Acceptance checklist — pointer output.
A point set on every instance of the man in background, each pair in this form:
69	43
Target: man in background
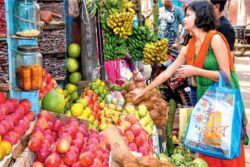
170	16
224	26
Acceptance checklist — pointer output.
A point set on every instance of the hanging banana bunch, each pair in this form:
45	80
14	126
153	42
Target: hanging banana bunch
156	52
121	24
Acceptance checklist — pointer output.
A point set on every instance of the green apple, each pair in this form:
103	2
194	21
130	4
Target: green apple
130	109
142	113
142	107
149	129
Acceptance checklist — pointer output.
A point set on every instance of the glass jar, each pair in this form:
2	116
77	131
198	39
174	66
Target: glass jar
29	67
26	16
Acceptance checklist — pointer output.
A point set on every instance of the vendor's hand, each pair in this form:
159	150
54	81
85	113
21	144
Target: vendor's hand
138	93
187	70
47	16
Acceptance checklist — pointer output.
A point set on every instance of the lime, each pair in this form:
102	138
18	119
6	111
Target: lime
70	87
74	95
72	64
74	50
75	77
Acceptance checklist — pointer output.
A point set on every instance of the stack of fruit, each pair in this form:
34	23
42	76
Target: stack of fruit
135	136
72	67
136	43
15	119
86	108
142	114
67	144
156	53
114	47
156	106
100	88
110	115
48	84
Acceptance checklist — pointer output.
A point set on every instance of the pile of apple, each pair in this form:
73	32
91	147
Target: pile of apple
48	84
67	144
110	115
141	112
135	135
15	119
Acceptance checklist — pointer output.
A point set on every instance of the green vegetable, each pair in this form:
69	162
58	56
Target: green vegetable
177	159
198	162
169	129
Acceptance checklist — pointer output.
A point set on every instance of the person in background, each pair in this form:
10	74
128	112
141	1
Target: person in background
224	26
200	21
170	16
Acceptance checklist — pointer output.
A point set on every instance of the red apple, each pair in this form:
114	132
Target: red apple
93	141
14	102
125	125
77	143
136	129
63	146
4	109
57	125
42	123
70	158
86	158
96	163
77	164
2	98
43	153
139	141
100	155
53	160
132	119
132	146
3	131
37	164
74	149
144	150
7	124
45	114
35	144
129	135
26	104
31	116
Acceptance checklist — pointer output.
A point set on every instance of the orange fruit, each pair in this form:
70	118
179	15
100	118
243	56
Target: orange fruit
7	146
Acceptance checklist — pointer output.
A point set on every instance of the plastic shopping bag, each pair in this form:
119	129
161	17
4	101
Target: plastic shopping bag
215	124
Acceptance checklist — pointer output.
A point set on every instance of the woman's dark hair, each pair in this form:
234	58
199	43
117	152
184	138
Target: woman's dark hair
205	16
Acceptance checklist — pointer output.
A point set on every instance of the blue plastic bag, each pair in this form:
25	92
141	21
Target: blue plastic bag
215	123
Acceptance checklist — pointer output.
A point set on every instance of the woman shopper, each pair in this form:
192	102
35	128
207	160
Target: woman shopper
200	22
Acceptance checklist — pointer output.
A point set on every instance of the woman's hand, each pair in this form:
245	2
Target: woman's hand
187	70
138	93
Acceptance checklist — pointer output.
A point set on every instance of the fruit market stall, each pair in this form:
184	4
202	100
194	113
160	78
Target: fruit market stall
56	118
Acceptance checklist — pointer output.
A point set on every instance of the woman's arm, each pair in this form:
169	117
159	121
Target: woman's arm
220	52
181	58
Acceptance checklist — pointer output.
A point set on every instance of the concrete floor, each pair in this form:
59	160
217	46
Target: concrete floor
242	65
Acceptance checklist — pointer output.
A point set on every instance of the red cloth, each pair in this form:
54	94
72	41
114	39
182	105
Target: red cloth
216	162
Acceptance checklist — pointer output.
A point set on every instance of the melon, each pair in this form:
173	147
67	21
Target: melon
54	102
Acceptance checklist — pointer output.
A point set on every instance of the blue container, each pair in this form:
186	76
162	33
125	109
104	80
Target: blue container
25	15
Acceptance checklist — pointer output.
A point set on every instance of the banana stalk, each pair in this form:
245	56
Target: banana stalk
156	16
